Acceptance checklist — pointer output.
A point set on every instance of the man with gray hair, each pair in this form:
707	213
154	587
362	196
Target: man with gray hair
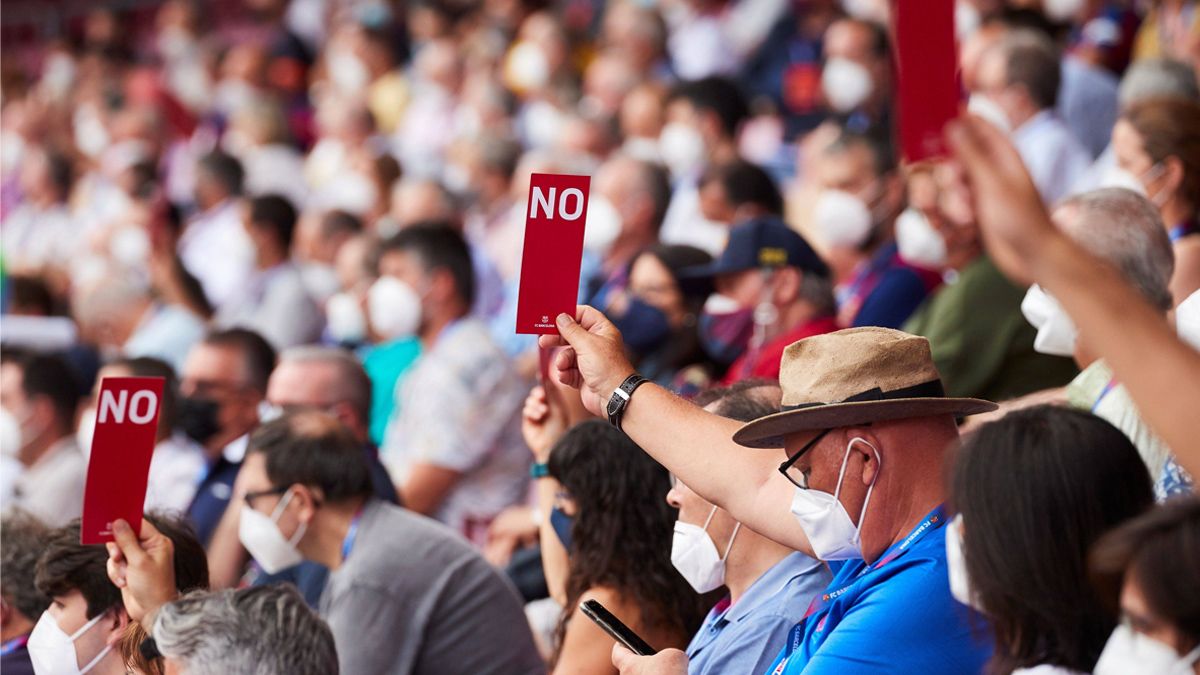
265	630
1124	229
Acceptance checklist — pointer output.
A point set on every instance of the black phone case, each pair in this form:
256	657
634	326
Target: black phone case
613	626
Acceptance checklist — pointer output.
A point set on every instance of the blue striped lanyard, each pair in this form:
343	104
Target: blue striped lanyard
1104	392
351	534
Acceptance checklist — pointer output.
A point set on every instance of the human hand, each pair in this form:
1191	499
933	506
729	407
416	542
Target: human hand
593	360
666	662
543	422
143	567
1010	212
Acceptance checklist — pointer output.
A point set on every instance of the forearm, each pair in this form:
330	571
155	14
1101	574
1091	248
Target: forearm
555	561
1161	373
697	447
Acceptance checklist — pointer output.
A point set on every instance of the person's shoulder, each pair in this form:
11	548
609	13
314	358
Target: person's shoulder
398	536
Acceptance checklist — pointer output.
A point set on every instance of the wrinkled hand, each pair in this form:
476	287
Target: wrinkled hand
543	422
143	567
594	360
1009	209
666	662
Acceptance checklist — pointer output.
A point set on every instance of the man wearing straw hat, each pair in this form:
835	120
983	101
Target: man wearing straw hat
861	436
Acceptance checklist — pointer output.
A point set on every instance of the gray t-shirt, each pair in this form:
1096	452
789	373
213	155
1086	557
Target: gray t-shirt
414	597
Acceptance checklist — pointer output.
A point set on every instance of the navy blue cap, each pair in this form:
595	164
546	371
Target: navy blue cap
759	243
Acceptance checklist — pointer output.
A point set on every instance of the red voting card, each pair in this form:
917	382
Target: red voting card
926	61
126	424
554	223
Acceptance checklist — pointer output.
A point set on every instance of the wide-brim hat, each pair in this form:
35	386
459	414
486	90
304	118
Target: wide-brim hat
855	376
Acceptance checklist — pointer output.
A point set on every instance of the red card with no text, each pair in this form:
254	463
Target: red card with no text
926	62
554	224
126	425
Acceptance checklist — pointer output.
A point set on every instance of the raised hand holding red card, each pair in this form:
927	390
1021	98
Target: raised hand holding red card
555	218
122	446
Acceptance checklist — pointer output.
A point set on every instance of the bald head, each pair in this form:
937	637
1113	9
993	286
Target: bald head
323	378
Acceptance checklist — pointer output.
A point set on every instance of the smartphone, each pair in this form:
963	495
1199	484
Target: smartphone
613	626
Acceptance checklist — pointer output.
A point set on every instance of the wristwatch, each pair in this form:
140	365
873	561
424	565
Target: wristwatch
620	398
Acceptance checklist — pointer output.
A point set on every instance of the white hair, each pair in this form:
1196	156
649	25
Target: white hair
1157	78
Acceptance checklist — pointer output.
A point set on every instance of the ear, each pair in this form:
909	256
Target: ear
117	624
786	285
862	440
308	499
1173	174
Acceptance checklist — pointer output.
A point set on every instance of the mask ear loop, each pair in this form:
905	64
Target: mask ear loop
303	527
866	502
104	652
764	315
729	546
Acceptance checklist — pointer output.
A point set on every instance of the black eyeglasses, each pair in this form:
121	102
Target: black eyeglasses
790	461
251	496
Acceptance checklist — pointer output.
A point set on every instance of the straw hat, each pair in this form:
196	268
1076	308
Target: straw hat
855	376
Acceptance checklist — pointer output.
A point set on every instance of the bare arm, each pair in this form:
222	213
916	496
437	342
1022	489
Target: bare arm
1161	373
695	445
427	487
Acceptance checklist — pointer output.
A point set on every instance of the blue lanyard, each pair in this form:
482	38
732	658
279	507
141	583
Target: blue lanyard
935	520
1182	230
13	645
1104	392
351	535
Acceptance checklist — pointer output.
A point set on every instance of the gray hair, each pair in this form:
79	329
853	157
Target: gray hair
350	384
1124	228
1157	78
264	630
1031	60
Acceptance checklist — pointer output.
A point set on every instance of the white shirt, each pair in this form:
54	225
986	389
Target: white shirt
276	304
175	470
1046	669
36	237
685	224
1053	156
217	251
166	332
51	489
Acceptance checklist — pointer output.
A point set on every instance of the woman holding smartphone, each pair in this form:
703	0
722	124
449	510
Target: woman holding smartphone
605	536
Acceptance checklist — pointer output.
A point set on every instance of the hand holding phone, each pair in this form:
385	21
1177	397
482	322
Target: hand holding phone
613	626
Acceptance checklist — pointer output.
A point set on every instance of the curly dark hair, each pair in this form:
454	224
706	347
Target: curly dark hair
621	534
24	538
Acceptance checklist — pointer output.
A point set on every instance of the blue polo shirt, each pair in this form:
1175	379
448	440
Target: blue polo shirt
893	616
745	636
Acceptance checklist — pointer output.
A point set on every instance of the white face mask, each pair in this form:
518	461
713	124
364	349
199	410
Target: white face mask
966	19
990	111
345	318
526	68
53	651
261	536
1128	651
695	555
956	565
394	308
603	225
918	241
842	219
1062	11
830	531
347	72
1115	176
85	431
130	246
1056	333
682	148
846	84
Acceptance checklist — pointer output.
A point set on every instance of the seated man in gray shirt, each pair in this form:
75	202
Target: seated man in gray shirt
405	594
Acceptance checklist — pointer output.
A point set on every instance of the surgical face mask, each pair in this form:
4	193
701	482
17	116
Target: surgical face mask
261	536
842	219
918	242
956	565
130	246
823	518
10	433
725	328
695	556
344	316
526	68
394	308
347	72
603	225
1056	333
682	148
198	418
846	84
1063	11
1115	176
53	651
1128	651
91	136
990	111
562	523
966	19
643	326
